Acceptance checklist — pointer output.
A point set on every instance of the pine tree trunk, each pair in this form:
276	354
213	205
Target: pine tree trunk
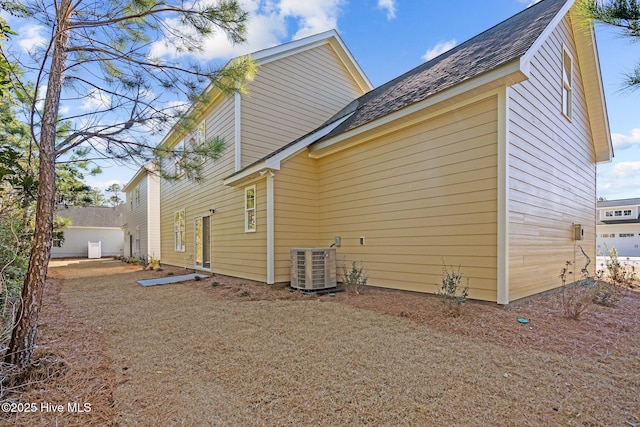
23	336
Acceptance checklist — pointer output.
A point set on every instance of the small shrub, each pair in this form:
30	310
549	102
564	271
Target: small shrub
451	291
355	279
144	262
154	263
197	278
132	260
607	294
620	274
577	296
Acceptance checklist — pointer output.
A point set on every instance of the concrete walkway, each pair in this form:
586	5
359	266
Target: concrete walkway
170	279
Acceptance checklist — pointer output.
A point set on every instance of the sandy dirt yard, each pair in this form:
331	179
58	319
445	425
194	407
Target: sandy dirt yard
247	354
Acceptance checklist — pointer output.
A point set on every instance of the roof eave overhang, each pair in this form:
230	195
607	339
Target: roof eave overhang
594	89
142	172
584	34
330	37
506	75
273	162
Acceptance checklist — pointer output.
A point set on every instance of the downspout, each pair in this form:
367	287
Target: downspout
237	131
270	229
503	197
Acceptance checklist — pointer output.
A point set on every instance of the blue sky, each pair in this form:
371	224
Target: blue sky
389	37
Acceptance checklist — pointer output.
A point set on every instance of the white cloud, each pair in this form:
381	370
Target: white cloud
312	16
619	180
389	6
269	25
439	49
96	100
625	170
621	141
30	39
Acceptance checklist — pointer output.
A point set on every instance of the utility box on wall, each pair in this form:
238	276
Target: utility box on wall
578	232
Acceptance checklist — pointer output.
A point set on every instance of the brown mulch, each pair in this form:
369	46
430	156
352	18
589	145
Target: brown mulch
243	353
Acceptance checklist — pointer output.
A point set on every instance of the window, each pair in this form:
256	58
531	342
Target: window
627	234
179	231
136	197
250	209
178	156
607	236
626	212
199	141
567	83
58	239
137	247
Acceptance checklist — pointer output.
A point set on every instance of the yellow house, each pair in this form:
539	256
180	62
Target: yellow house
483	157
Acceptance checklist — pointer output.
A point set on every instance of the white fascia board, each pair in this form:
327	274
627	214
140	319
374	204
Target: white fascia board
328	37
273	163
287	49
506	75
142	172
542	38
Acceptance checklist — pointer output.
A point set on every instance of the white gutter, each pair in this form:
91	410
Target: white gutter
237	132
270	229
503	198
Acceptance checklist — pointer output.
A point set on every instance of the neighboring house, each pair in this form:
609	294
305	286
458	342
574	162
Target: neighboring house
484	157
142	228
618	226
90	224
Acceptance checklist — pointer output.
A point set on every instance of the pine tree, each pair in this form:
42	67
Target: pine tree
622	14
99	51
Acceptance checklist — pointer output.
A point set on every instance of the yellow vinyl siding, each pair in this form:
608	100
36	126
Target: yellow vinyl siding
419	195
552	172
198	198
296	211
291	97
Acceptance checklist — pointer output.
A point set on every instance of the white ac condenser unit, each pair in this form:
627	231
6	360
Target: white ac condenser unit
313	268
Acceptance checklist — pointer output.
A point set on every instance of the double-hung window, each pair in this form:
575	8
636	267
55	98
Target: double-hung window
179	231
567	83
250	209
137	248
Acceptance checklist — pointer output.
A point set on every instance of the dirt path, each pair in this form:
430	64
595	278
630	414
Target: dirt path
245	355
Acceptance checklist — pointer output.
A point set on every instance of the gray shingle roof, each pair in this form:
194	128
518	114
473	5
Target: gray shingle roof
497	46
93	216
619	202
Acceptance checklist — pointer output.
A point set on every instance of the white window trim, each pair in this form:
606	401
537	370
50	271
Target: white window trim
247	210
178	158
177	228
137	241
567	84
136	196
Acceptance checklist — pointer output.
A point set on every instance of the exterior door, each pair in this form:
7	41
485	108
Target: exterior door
203	242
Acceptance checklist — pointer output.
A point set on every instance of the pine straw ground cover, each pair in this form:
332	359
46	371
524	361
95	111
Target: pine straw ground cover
245	354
